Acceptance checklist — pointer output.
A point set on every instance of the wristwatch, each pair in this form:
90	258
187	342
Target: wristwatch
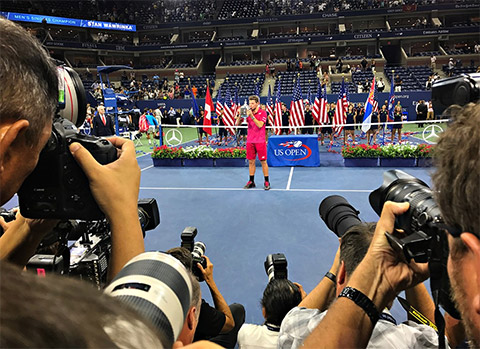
362	301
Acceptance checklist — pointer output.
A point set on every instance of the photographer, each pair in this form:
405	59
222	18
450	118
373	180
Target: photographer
279	297
221	323
25	127
300	321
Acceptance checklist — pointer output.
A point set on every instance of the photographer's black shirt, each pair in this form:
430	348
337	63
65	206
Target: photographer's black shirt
210	323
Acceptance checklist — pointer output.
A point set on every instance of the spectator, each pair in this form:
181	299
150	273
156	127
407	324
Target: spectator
433	62
364	64
285	118
380	85
194	91
451	67
308	120
102	124
428	83
279	297
421	110
339	65
373	64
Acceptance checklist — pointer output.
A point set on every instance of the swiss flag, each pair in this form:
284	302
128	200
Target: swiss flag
207	119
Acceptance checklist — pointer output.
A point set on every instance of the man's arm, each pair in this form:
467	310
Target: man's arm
380	276
115	188
218	300
257	122
21	238
324	292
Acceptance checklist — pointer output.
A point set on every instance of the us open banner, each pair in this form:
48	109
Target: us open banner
293	151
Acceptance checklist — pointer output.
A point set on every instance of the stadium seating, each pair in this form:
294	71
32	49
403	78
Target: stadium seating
245	82
288	81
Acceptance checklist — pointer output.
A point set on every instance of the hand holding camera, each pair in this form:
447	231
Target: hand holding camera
392	273
114	186
208	271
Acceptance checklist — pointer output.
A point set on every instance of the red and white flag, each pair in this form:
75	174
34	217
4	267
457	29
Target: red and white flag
229	111
207	119
341	109
278	111
297	113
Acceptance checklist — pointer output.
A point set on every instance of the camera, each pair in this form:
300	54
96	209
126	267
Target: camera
159	288
87	258
57	188
459	90
424	239
197	249
338	214
276	266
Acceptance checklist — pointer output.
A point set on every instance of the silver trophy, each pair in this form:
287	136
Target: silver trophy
244	110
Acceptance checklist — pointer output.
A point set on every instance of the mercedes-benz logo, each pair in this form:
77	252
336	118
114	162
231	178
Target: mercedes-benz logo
431	133
173	137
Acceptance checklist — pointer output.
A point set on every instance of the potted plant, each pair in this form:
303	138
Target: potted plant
361	155
200	156
230	157
398	155
424	155
167	156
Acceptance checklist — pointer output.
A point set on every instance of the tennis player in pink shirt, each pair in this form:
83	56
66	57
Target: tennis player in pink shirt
256	143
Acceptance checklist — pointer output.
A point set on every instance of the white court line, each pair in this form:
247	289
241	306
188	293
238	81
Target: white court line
144	155
290	178
241	189
146	168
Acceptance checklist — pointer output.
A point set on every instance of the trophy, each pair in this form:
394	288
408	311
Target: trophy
244	110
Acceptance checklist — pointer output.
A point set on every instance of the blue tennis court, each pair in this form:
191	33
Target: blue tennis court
241	227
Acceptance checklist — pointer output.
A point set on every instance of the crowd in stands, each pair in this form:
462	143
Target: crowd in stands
161	11
257	8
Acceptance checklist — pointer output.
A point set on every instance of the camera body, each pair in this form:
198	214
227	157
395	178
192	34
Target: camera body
57	187
276	266
459	90
425	239
197	249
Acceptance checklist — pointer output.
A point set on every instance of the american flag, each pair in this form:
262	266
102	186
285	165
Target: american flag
236	101
297	113
309	96
341	109
219	105
278	111
229	111
270	106
320	106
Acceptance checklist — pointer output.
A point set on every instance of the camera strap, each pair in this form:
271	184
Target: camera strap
415	314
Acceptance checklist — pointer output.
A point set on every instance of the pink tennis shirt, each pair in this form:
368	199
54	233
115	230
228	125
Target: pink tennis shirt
257	134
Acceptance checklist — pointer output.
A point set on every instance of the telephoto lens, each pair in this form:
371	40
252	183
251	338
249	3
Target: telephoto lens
159	288
199	249
276	266
338	214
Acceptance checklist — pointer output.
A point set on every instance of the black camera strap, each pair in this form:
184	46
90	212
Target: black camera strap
435	285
